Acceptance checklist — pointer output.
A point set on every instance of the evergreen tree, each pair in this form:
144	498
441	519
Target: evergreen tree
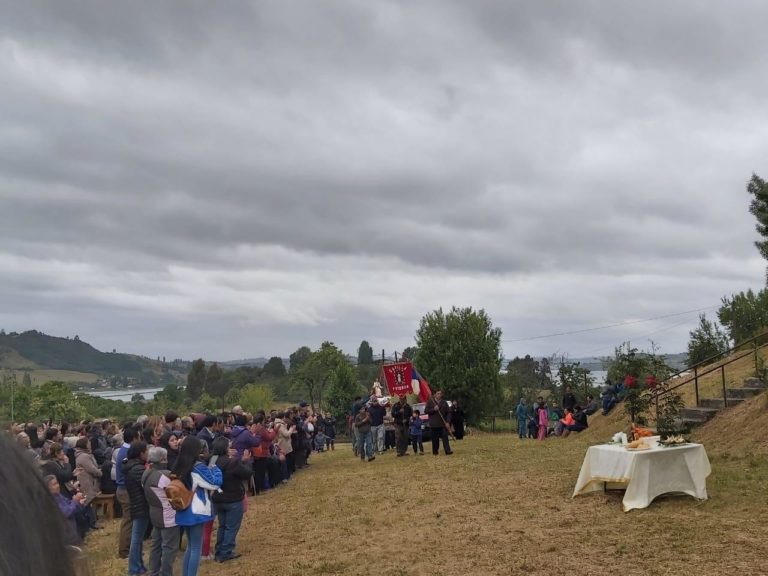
214	382
196	379
365	353
275	367
744	315
758	188
27	380
298	358
707	341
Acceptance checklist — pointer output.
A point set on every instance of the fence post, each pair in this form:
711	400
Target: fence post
493	424
757	368
722	378
696	383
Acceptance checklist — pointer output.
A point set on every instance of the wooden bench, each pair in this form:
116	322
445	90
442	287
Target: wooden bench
105	503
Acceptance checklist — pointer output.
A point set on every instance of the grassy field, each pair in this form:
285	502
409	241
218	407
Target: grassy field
41	376
500	505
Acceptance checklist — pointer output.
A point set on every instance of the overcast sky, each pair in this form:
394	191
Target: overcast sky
189	179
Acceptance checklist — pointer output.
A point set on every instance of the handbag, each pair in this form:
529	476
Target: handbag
179	496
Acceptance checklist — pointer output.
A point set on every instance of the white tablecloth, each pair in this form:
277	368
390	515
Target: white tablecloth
646	473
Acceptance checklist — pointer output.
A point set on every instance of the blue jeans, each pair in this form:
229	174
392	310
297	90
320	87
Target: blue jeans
522	427
135	560
366	444
194	548
230	517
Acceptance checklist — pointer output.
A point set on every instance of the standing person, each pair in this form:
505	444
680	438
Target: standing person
377	412
207	432
229	500
133	470
401	415
165	533
437	408
416	433
543	421
521	413
358	402
330	432
363	425
457	420
202	480
170	441
389	430
260	460
284	433
126	525
569	399
89	477
57	464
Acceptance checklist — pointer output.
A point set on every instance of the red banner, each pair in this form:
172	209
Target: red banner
398	377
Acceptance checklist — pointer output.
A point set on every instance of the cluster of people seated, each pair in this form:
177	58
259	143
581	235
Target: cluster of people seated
542	420
611	394
171	476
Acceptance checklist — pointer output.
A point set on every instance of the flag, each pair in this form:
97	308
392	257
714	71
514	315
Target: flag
420	386
398	377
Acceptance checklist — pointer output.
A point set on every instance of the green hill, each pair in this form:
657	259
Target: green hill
34	351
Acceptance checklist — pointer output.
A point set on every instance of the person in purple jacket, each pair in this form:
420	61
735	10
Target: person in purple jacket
203	480
68	510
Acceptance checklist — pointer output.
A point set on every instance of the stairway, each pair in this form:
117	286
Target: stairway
708	407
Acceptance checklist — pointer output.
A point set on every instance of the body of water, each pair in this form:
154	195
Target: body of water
126	394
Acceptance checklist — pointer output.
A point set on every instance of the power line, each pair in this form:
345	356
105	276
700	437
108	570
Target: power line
642	337
627	323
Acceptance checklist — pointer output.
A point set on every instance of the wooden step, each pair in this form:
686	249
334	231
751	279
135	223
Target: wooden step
718	402
754	383
697	415
743	392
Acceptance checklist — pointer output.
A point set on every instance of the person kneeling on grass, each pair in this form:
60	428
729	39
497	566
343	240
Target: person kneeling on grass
562	424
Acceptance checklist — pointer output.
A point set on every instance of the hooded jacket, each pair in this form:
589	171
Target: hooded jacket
161	514
133	470
243	440
89	478
202	481
283	436
234	473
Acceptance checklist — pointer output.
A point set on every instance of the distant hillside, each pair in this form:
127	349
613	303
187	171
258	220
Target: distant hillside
33	350
250	362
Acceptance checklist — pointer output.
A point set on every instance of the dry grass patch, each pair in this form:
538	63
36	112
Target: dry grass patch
499	505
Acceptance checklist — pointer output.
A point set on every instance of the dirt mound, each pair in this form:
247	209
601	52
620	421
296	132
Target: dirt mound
742	429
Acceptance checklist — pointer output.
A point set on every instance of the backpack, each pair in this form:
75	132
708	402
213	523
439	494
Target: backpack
179	496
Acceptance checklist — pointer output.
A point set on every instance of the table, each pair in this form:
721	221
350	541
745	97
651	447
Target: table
645	473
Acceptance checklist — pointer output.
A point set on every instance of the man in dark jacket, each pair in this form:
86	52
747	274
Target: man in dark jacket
438	409
133	470
165	533
377	413
229	500
401	414
569	399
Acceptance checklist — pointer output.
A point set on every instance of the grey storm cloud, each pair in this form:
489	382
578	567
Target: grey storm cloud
493	141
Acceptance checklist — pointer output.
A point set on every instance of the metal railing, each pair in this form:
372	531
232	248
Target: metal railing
755	346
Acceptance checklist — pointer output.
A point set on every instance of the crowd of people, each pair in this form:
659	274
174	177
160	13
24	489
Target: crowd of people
373	419
543	419
171	477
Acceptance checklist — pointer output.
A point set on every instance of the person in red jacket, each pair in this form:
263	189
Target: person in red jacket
260	452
